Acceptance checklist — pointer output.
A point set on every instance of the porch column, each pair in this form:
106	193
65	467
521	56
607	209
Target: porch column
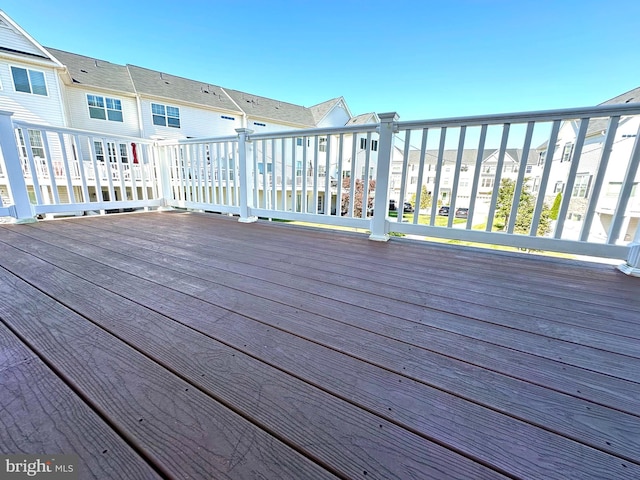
22	209
246	175
381	202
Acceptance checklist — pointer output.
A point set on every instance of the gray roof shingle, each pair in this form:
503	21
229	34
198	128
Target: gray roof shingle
95	73
363	119
469	155
170	87
268	108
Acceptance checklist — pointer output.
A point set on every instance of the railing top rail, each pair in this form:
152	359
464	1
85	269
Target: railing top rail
198	140
77	131
523	117
310	132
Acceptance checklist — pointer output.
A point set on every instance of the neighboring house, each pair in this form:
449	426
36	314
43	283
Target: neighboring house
487	177
582	191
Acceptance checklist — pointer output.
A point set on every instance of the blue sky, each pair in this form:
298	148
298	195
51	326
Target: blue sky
422	59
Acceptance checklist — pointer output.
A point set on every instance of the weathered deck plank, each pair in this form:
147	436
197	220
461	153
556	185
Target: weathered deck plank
323	426
40	414
336	347
179	429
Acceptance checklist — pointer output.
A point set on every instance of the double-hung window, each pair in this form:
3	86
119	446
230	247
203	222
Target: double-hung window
104	108
581	185
29	81
165	116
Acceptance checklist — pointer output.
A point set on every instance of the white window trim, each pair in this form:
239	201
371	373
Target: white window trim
106	110
44	76
166	115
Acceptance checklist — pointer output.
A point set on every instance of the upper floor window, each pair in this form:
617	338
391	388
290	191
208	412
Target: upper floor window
104	108
566	152
581	185
29	81
374	144
541	157
165	116
322	146
529	169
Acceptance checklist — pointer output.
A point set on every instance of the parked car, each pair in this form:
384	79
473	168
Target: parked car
444	211
462	212
408	207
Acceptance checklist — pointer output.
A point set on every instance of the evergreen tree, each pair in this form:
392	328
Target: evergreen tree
425	199
555	208
526	208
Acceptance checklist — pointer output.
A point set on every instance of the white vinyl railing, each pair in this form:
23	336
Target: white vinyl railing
499	176
69	170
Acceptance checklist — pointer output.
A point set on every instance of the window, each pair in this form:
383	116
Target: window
29	81
260	124
487	182
103	108
298	168
559	187
322	147
541	157
226	117
99	151
581	185
413	180
488	169
614	189
374	144
464	168
112	152
566	152
261	168
165	116
536	185
529	169
35	140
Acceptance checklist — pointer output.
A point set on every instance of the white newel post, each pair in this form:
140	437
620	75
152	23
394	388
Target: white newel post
22	205
163	177
246	174
381	202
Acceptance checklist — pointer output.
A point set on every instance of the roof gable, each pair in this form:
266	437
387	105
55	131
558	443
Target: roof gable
17	42
364	119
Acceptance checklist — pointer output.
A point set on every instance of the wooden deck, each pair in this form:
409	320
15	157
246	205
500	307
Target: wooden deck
184	345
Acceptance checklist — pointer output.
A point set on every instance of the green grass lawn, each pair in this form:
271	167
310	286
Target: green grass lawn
425	219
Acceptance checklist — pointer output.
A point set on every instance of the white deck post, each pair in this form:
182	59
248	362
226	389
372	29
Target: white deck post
381	202
22	208
246	184
632	266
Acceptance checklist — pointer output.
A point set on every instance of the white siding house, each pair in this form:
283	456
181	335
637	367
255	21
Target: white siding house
28	77
582	191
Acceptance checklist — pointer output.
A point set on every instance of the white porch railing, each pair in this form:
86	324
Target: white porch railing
62	170
346	176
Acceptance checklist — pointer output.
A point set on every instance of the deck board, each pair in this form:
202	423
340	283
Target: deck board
328	350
